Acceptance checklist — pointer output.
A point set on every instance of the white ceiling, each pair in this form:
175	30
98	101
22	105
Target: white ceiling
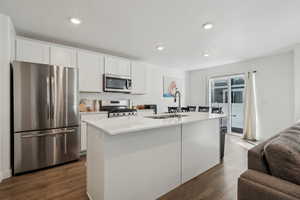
243	28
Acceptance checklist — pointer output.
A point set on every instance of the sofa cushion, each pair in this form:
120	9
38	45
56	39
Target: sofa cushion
283	156
292	133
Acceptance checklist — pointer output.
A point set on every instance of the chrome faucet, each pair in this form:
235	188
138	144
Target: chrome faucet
177	93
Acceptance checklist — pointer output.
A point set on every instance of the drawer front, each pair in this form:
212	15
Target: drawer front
40	149
93	116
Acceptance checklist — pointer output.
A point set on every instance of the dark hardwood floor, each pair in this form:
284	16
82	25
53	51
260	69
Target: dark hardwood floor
68	182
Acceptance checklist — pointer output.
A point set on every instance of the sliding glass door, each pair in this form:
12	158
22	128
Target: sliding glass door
227	93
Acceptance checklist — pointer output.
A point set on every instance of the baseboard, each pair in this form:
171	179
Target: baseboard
90	198
5	174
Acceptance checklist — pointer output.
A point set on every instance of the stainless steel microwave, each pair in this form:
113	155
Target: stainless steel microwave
115	83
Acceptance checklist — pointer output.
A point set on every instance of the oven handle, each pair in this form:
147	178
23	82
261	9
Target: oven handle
128	84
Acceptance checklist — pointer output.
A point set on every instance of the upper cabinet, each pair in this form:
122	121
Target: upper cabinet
91	69
139	78
63	56
32	51
91	65
117	66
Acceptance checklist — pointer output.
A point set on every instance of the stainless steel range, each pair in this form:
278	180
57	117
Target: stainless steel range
118	108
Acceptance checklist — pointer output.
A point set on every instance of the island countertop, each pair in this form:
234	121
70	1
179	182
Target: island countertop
121	125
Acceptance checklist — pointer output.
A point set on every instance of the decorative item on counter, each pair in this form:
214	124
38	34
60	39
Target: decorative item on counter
86	105
96	105
140	107
82	106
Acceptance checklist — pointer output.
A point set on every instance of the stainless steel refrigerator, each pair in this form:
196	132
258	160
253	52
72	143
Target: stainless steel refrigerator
45	116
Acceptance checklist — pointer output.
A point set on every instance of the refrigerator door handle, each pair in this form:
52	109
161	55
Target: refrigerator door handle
52	97
66	145
64	131
36	135
48	98
52	133
66	95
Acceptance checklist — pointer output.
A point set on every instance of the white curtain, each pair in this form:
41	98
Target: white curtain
250	118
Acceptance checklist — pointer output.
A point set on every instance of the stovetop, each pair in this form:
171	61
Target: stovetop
118	108
120	112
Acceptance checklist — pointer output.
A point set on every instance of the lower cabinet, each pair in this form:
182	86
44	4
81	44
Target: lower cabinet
83	144
83	128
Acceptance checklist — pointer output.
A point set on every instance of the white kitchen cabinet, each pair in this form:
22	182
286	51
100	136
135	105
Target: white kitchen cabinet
32	51
124	68
117	66
91	69
200	147
63	56
83	128
139	78
83	136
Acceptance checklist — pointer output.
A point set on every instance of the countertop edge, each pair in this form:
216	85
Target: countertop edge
132	130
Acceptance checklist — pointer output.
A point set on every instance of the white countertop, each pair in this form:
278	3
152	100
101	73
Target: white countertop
120	125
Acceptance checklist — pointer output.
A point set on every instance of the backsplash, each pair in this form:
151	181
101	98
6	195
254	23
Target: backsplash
162	103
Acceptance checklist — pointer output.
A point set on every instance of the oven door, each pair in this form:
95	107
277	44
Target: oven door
114	83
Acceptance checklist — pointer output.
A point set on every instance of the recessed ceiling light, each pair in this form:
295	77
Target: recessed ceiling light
160	47
208	26
74	20
205	54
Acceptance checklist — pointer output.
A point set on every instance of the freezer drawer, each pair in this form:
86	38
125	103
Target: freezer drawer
40	149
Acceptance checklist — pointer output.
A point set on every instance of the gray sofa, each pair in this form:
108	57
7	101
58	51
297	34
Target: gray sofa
273	168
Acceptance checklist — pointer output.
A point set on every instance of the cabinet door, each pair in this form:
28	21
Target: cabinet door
32	51
124	67
83	132
111	65
139	78
91	67
63	56
117	66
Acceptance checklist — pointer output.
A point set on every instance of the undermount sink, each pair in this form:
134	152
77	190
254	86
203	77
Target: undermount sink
166	116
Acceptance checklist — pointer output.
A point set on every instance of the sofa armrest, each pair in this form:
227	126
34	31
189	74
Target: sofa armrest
256	185
256	157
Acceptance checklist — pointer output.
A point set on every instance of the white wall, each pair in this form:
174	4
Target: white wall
155	89
297	81
275	89
7	35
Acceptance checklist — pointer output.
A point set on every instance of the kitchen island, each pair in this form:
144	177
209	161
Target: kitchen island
134	158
